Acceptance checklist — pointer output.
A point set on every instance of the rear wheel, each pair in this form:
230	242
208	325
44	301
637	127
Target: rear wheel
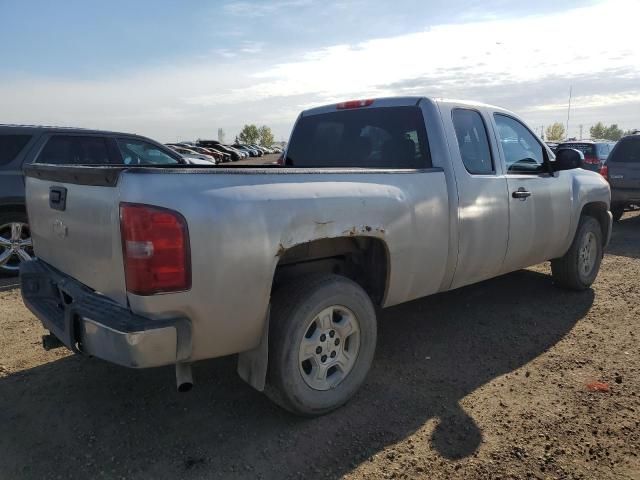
15	242
322	340
578	268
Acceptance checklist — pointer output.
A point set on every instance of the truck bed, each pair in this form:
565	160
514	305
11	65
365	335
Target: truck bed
240	221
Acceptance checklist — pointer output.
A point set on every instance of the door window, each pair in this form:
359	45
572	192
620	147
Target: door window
522	151
78	150
472	141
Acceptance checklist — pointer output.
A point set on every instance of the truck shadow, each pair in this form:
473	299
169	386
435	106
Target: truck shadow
624	237
77	417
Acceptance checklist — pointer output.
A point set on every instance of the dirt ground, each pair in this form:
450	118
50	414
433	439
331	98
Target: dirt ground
489	381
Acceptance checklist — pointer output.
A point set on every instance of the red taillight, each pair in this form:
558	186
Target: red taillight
354	104
591	160
155	247
604	171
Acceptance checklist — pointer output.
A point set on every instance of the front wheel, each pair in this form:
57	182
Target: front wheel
322	339
578	268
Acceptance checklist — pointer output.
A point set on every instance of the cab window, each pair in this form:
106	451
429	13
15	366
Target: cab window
472	141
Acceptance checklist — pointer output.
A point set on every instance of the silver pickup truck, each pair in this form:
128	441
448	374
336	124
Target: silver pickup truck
378	202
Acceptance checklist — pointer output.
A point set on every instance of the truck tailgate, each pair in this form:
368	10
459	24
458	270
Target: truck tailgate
74	220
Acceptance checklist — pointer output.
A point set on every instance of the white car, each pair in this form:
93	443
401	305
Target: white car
192	156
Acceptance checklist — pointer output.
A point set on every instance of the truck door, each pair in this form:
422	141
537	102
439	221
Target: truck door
483	208
539	202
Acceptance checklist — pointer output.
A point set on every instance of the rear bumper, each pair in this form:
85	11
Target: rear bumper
625	195
90	323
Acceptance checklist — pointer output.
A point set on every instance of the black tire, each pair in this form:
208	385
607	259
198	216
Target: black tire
566	270
6	218
617	211
293	307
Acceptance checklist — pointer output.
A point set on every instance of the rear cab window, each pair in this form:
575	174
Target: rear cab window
383	137
11	146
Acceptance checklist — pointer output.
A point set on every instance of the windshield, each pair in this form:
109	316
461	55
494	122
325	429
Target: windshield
390	137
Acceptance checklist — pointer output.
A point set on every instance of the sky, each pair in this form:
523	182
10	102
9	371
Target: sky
179	70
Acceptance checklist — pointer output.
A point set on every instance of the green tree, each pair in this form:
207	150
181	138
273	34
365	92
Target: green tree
613	132
555	132
604	132
598	130
266	136
249	134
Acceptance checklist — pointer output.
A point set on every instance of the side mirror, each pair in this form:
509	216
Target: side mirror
567	159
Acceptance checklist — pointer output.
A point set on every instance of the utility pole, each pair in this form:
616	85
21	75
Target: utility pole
569	109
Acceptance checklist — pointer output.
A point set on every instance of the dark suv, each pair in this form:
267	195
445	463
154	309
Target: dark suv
623	173
20	145
595	152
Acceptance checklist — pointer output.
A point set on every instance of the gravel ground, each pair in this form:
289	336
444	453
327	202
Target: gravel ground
489	381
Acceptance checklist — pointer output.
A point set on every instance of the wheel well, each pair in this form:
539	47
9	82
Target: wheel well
364	260
598	210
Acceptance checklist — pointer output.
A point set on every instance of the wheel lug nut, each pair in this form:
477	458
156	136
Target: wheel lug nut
323	337
318	350
333	354
337	342
323	358
332	333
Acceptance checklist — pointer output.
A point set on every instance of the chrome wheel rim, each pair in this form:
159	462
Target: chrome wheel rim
588	253
329	347
15	245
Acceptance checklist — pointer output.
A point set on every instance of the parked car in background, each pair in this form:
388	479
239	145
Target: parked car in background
380	202
252	151
595	152
206	151
191	155
243	153
21	145
622	170
235	156
553	146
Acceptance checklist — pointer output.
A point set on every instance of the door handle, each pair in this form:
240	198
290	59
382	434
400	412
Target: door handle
521	193
58	198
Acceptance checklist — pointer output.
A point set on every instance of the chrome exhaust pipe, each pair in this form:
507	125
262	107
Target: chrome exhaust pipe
184	378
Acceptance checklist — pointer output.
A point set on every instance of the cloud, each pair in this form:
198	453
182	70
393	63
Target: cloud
525	64
256	9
